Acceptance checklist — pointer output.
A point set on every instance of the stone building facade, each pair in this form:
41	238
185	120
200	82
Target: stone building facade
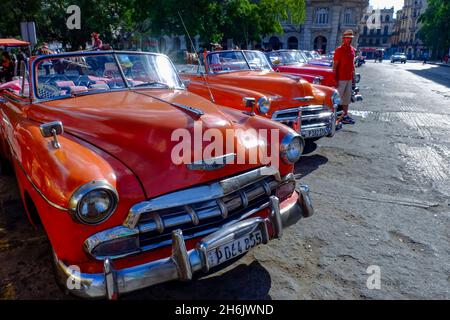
376	29
325	22
406	38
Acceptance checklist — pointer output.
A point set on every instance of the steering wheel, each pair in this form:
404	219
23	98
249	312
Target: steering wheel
86	81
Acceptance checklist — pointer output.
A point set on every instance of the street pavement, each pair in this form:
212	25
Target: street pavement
381	191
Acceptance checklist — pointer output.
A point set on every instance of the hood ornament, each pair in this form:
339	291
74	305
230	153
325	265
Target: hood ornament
212	163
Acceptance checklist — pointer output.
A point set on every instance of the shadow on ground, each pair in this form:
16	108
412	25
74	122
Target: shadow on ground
242	282
432	75
308	164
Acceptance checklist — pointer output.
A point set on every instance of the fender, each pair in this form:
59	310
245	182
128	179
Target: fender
224	95
50	176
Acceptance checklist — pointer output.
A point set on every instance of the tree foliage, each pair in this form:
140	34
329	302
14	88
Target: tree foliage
435	30
214	20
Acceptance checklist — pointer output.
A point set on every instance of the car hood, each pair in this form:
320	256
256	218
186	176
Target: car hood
308	68
267	82
137	129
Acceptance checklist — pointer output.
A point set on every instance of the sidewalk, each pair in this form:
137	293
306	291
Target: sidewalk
438	63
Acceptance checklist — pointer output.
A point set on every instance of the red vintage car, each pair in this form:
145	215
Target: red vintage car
295	62
91	136
235	77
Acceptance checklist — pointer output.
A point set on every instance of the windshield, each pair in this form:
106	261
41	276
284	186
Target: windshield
308	55
316	55
257	60
66	75
286	57
226	61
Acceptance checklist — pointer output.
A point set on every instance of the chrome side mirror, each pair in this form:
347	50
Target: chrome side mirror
52	129
186	83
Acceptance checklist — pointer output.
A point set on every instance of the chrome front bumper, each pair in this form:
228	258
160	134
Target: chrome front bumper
326	127
182	263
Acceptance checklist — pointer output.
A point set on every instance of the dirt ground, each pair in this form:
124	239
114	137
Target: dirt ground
381	191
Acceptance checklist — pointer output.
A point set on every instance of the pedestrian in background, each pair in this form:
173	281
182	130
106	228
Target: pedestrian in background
7	72
97	43
425	57
344	72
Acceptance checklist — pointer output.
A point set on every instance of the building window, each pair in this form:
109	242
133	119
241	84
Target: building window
387	19
378	31
348	16
365	30
385	40
322	16
377	42
386	30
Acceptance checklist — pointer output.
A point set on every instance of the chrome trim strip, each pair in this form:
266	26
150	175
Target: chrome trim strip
321	115
212	163
306	98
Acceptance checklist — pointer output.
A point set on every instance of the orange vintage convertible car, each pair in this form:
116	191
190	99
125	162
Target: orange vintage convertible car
234	77
91	139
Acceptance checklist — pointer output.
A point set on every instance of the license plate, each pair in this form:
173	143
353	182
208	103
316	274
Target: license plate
233	249
315	133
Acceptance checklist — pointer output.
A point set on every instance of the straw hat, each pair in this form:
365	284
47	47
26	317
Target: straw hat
216	45
348	34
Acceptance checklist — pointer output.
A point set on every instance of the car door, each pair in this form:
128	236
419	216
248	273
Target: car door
14	102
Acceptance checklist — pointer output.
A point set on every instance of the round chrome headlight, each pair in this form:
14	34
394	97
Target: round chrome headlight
263	105
291	148
93	202
336	98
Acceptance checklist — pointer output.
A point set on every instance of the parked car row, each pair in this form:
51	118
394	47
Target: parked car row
105	148
284	86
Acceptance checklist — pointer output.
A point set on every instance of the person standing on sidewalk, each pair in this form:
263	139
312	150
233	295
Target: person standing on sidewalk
344	72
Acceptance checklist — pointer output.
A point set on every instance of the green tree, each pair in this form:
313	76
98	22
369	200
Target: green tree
13	12
435	30
102	16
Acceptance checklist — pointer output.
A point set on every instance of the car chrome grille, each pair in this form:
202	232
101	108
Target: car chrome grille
316	116
198	219
197	211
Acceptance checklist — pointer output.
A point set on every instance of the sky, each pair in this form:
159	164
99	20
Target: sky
380	4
